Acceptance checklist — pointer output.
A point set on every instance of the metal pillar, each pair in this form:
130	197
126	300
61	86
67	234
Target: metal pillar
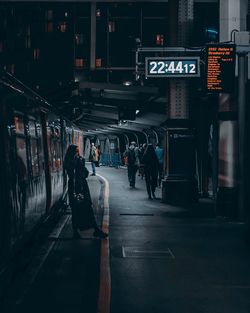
243	152
178	180
179	89
231	196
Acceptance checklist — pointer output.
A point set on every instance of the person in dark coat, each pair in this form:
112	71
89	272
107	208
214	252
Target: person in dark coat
74	165
160	155
151	165
132	162
141	153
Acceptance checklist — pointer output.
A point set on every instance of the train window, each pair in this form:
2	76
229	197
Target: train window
19	125
58	153
34	148
21	148
32	129
55	148
51	147
39	146
49	27
34	157
21	158
69	135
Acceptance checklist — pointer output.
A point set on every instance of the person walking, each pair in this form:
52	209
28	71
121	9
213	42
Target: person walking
98	155
132	163
74	166
151	165
141	153
160	156
93	158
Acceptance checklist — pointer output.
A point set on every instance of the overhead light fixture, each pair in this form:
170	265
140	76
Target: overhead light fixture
137	112
127	83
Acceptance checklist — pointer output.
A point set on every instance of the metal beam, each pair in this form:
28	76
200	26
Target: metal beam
115	87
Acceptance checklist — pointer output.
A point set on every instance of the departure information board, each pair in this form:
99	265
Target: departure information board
220	68
172	67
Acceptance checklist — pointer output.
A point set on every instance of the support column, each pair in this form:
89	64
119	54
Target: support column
179	35
180	139
232	18
243	131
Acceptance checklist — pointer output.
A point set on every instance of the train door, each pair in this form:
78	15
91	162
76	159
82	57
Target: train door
54	139
36	165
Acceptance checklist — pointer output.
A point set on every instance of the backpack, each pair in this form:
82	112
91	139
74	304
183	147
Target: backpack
131	157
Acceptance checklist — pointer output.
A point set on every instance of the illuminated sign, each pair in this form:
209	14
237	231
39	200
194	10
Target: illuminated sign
220	68
173	67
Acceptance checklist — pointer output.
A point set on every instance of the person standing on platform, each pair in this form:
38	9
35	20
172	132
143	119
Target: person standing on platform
160	156
93	158
151	165
132	163
141	153
98	154
74	166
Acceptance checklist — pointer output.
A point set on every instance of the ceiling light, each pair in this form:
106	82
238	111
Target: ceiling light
137	111
127	83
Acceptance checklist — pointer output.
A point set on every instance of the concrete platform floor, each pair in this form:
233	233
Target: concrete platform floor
184	261
163	259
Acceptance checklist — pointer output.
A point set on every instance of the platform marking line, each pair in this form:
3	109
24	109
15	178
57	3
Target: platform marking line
104	295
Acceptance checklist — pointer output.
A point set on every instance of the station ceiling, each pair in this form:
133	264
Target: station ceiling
97	108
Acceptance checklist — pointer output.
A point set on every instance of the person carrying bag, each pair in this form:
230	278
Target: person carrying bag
79	194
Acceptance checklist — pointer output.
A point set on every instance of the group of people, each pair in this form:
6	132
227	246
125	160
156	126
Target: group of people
146	157
149	161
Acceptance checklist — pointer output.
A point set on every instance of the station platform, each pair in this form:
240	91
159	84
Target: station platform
161	259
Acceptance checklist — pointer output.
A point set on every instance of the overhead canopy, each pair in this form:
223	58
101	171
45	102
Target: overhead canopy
95	107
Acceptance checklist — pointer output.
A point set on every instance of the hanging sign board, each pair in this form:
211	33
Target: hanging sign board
172	67
181	152
220	68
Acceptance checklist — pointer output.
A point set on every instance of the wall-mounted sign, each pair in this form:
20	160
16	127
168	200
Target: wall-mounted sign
172	67
181	152
220	68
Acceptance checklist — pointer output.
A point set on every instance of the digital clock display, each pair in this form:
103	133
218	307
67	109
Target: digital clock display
173	67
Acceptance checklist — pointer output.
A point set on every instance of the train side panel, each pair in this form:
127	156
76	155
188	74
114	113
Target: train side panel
26	173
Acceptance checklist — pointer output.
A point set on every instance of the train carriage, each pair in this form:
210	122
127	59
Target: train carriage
34	139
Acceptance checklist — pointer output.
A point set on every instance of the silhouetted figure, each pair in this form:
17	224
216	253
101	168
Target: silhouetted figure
93	158
98	155
74	164
151	165
160	155
141	153
131	155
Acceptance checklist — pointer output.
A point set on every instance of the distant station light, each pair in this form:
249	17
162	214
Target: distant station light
127	83
211	34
